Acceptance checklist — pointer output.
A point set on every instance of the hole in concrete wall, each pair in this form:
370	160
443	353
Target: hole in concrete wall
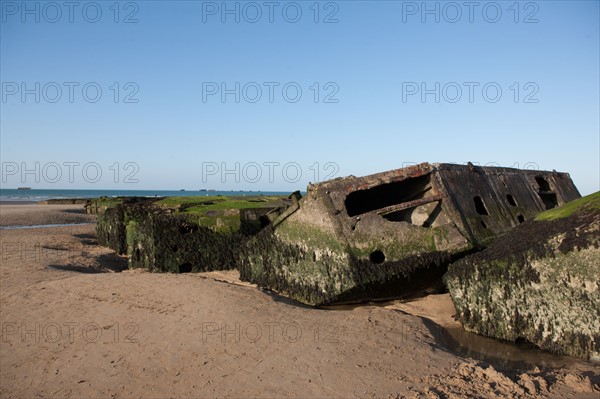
511	200
185	268
363	201
545	192
264	221
550	200
483	224
480	206
543	184
521	218
377	257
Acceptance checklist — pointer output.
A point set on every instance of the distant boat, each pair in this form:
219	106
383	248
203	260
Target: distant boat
23	188
202	189
182	189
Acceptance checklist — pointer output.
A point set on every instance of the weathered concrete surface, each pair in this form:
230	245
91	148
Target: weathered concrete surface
182	234
539	283
96	206
176	243
64	201
393	234
113	216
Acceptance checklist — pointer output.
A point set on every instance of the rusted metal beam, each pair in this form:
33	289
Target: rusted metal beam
409	204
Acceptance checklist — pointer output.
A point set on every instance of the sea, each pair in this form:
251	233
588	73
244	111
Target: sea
35	195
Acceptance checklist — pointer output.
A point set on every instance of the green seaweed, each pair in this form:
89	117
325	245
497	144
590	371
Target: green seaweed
175	243
312	266
589	202
538	283
182	234
209	203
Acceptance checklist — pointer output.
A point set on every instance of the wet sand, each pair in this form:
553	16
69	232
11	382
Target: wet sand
34	214
77	323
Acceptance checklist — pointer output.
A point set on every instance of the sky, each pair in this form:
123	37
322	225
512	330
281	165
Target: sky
272	95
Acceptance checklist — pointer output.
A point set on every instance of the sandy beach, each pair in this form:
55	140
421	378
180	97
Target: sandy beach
77	323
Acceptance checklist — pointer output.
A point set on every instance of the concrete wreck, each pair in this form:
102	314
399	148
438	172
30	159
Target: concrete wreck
181	234
539	285
393	234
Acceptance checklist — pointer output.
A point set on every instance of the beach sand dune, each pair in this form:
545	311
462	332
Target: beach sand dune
76	323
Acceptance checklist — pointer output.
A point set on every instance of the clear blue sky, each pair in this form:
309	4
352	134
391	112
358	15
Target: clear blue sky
371	66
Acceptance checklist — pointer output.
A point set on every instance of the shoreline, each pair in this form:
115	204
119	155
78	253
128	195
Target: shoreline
39	214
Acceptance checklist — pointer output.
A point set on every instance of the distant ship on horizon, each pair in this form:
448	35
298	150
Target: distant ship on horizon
23	188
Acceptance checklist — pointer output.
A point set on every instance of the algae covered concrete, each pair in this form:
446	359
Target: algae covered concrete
113	216
538	284
182	234
394	233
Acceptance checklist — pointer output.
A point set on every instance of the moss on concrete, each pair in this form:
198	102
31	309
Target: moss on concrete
176	243
539	283
99	205
313	257
314	266
182	233
589	202
111	223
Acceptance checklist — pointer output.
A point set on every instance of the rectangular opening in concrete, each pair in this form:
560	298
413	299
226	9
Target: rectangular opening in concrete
545	192
480	206
388	194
